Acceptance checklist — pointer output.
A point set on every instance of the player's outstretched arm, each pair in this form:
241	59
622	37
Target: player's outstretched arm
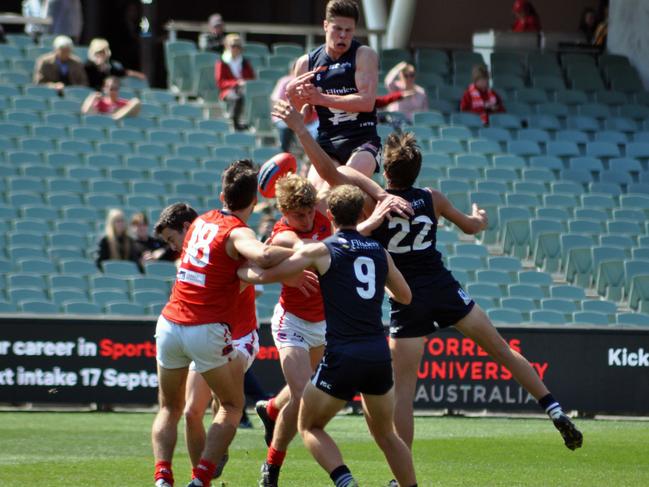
329	170
396	284
311	255
245	243
469	224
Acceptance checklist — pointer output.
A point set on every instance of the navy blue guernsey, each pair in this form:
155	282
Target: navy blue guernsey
337	77
353	290
411	242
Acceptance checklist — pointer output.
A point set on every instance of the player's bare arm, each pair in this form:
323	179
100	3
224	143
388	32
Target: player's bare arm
243	242
396	284
469	224
301	67
328	169
310	255
366	77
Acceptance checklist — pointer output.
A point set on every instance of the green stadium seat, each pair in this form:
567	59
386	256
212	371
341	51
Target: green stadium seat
160	269
547	162
59	281
505	315
79	267
120	268
81	308
549	317
502	166
8	307
610	274
145	298
63	296
524	148
633	319
563	291
583	123
150	284
124	308
534	134
34	266
590	318
166	136
103	282
103	298
523	305
18	295
40	307
497	134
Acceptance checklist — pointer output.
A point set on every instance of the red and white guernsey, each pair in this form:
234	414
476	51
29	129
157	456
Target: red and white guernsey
207	289
292	300
247	317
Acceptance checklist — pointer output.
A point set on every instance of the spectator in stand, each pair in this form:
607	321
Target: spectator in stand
286	136
67	17
231	73
60	68
402	78
36	9
527	20
588	24
110	103
148	246
601	32
214	39
100	65
116	243
479	98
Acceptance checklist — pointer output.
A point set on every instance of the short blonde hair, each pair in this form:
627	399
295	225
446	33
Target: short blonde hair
98	44
346	204
294	192
231	39
408	68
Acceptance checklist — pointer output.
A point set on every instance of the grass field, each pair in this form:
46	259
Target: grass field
113	449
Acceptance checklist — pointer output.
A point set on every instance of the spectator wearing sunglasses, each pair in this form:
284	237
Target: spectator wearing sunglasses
414	99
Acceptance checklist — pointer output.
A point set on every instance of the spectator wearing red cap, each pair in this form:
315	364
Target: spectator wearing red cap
527	20
479	98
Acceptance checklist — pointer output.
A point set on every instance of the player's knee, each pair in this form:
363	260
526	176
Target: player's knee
193	414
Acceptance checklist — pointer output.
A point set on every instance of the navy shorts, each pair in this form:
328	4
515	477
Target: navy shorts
435	305
343	376
342	150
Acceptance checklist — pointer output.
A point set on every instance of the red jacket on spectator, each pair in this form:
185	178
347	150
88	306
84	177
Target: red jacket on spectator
477	101
226	81
527	20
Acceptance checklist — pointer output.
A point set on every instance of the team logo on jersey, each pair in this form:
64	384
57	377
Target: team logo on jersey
191	277
324	384
465	297
343	243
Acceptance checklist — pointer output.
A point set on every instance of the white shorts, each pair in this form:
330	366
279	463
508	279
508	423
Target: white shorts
209	346
291	331
246	346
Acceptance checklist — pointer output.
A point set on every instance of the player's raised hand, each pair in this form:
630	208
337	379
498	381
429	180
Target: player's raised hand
307	282
295	87
480	215
289	115
381	211
398	205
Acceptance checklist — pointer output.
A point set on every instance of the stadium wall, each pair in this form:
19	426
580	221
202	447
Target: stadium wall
628	33
112	361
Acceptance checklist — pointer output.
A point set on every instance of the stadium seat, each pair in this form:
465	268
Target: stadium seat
590	318
506	315
549	317
160	269
120	268
633	319
125	308
40	307
81	308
